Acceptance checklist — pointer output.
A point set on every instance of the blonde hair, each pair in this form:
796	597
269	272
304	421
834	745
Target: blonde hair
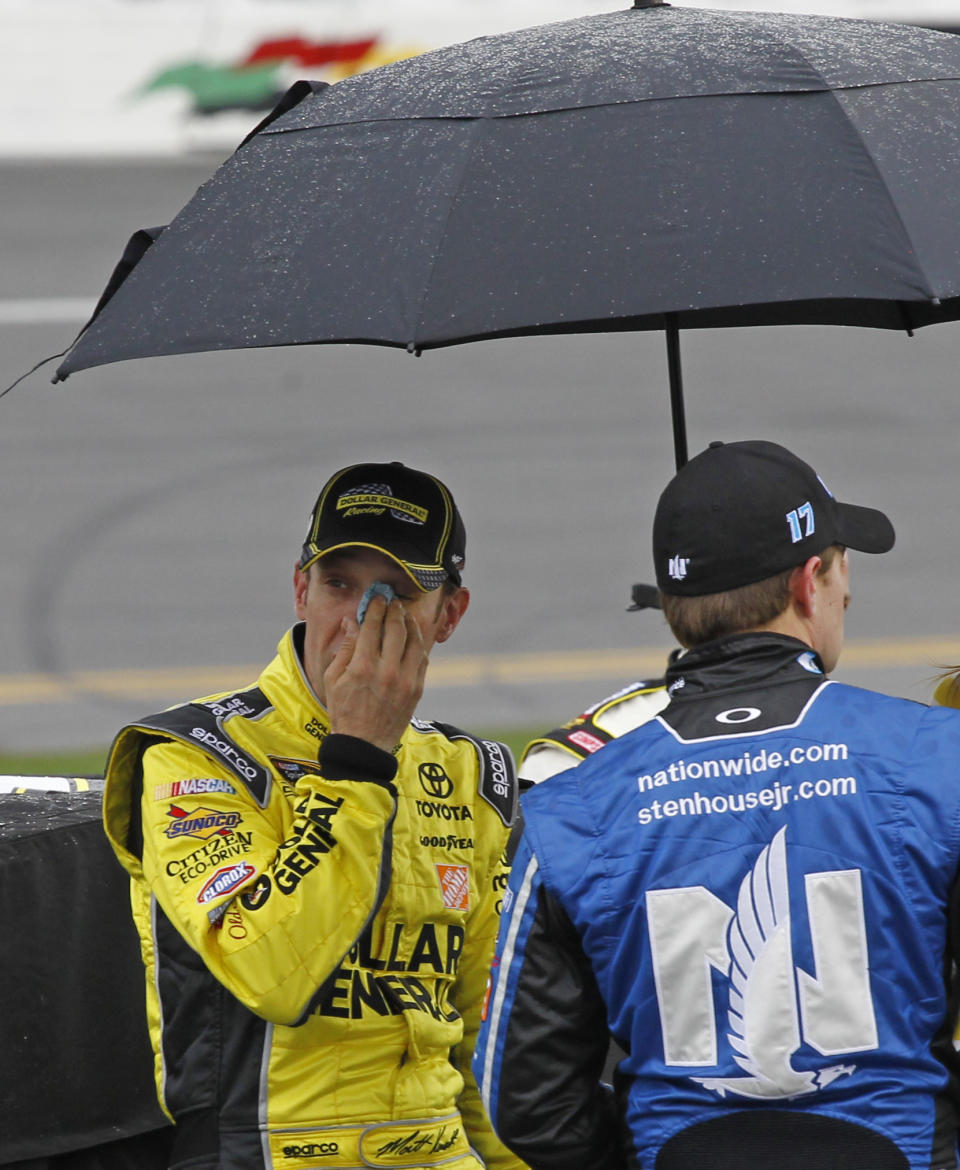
696	620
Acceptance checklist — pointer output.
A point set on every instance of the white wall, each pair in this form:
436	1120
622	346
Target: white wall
73	68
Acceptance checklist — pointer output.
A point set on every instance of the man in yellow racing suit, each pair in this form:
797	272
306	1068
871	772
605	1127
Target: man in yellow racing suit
316	876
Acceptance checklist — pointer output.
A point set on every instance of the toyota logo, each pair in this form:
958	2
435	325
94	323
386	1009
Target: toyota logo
434	781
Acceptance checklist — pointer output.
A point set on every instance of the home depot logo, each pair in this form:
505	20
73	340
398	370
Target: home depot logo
454	886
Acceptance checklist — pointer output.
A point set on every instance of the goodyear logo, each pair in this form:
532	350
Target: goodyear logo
201	823
375	500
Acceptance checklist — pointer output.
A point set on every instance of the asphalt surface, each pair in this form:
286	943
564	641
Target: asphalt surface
152	511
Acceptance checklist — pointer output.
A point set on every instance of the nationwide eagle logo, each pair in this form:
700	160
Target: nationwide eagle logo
761	973
774	1008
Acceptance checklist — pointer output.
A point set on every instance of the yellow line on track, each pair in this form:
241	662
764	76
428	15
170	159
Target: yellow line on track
174	684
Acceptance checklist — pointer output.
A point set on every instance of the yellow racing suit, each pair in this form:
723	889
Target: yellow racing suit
317	932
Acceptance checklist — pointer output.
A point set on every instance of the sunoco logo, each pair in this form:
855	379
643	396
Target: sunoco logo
202	823
435	781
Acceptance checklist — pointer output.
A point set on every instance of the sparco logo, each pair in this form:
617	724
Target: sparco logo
498	767
311	1150
435	781
223	747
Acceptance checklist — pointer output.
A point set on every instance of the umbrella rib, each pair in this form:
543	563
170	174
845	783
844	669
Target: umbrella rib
413	345
891	203
833	91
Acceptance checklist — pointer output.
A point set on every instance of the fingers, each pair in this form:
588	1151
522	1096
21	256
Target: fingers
389	631
415	656
376	677
345	652
400	650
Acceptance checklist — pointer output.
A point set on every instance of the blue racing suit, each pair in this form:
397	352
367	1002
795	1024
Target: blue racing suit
755	893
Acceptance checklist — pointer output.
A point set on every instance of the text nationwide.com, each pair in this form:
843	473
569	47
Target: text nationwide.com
747	764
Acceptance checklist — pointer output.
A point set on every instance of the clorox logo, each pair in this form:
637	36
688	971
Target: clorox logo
228	878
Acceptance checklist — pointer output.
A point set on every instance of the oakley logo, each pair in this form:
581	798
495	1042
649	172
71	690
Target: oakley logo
739	715
677	567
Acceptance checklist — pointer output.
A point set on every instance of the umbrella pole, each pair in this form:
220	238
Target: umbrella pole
676	390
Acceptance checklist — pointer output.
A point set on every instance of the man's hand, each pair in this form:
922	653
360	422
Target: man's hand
374	682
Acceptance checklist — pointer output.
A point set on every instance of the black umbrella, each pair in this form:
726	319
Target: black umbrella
654	168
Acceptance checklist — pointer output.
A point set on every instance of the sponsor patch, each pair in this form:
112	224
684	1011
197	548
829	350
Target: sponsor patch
315	728
194	723
201	823
234	705
375	498
211	854
444	812
452	841
454	886
231	922
198	786
292	769
226	879
434	780
312	1150
589	743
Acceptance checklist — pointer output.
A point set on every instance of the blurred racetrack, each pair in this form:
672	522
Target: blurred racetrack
152	511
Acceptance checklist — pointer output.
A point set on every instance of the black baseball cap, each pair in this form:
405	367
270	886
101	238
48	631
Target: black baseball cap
738	513
407	515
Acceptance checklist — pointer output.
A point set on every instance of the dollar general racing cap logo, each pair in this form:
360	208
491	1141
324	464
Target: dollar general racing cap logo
434	781
374	499
454	886
202	823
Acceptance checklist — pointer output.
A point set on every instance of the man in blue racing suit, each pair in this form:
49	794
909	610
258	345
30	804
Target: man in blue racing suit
755	892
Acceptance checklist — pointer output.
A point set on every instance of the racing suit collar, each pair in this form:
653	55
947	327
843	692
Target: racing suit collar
293	695
739	661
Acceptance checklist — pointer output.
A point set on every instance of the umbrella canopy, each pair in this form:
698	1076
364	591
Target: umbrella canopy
654	167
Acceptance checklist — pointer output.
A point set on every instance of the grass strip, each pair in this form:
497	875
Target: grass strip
90	761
